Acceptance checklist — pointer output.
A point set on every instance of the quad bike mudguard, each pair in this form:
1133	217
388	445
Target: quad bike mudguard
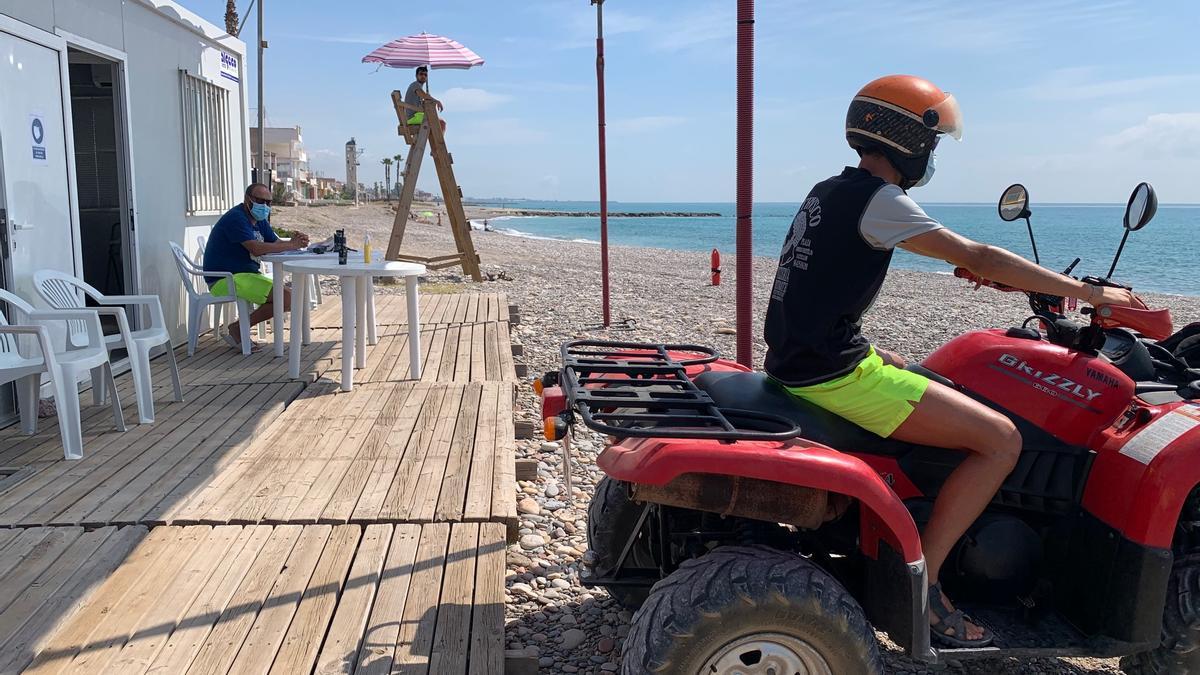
890	540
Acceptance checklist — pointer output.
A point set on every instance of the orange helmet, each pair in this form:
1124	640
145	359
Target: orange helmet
902	116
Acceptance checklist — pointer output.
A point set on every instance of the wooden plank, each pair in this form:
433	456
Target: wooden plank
383	628
92	616
478	344
226	637
400	436
451	645
487	618
150	486
339	654
33	564
503	308
27	603
504	504
7	536
453	496
266	635
432	470
114	627
19	547
462	365
478	501
197	468
18	648
156	626
412	168
211	602
307	630
508	367
491	352
340	504
415	644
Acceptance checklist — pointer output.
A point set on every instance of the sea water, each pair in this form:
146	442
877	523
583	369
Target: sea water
1161	257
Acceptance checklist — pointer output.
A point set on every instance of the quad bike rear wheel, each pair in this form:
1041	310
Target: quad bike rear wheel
751	611
612	517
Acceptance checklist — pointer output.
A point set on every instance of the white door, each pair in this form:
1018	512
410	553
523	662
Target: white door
36	156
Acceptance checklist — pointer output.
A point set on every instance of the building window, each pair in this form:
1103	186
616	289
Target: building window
206	141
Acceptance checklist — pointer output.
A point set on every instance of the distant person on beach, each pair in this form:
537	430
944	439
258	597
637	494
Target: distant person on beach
833	263
416	97
234	244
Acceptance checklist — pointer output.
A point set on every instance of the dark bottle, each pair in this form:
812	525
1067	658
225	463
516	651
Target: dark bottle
339	242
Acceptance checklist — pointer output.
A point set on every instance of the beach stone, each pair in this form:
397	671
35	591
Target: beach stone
528	505
519	559
551	489
550	447
531	541
572	638
605	645
560	583
609	667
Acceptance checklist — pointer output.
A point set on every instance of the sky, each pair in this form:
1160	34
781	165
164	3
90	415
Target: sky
1077	99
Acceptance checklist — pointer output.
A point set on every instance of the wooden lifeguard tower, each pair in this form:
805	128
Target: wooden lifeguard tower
429	133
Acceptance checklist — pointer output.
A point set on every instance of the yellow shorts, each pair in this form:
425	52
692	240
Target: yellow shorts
876	396
417	118
250	286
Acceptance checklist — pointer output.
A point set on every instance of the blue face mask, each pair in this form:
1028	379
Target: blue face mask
260	212
930	168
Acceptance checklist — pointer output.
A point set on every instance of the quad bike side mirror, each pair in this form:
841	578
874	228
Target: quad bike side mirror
1142	206
1140	209
1014	203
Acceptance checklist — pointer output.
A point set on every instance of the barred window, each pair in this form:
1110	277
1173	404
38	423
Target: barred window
206	141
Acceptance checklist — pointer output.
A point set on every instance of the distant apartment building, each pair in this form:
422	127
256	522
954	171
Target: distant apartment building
287	161
327	188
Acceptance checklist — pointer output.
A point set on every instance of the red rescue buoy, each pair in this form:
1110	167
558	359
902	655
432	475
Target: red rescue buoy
716	267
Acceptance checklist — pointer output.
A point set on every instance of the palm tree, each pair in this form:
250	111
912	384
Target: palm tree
398	159
231	18
387	175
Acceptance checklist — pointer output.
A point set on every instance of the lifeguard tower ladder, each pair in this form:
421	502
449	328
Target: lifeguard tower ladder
429	132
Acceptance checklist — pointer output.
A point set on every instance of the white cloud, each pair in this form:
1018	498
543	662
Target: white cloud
467	99
635	125
1159	136
1080	84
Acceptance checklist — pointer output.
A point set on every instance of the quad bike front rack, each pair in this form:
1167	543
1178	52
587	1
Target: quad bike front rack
642	390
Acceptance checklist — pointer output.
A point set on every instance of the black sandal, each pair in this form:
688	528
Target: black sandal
955	621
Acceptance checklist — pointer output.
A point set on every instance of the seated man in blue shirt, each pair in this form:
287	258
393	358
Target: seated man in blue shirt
236	241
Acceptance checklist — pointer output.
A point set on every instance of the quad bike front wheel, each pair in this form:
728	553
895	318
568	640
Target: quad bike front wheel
1179	651
751	611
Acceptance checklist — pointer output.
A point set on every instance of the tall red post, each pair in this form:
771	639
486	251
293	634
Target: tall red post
603	164
745	180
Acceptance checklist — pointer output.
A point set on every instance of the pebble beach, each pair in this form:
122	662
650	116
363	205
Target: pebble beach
661	296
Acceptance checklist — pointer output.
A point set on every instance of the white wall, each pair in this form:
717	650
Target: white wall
158	39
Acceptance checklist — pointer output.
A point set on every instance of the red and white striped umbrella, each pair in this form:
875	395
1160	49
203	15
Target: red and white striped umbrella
434	51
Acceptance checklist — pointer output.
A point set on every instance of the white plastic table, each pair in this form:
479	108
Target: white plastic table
355	281
277	279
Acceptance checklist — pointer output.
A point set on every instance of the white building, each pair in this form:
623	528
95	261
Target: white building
122	127
286	158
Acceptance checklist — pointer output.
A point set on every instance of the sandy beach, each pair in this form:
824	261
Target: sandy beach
662	296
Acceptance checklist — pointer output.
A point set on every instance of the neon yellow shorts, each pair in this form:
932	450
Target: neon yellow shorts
876	396
417	118
250	286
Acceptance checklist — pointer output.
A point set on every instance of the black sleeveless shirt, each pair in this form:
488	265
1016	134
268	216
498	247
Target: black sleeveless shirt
828	277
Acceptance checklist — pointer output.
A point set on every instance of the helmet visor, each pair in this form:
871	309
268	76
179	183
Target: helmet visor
946	117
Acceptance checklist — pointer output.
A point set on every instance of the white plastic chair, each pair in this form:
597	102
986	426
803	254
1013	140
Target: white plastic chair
61	291
64	368
199	301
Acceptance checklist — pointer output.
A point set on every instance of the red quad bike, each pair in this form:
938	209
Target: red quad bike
758	534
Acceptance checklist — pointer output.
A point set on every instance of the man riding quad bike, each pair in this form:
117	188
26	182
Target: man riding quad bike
764	513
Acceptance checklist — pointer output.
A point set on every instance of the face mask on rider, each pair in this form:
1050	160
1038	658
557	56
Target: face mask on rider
930	168
260	212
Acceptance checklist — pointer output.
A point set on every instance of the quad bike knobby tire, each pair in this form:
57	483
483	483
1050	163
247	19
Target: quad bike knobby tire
611	519
1179	651
749	611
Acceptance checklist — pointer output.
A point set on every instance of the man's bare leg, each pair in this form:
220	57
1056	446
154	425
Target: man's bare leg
945	418
259	315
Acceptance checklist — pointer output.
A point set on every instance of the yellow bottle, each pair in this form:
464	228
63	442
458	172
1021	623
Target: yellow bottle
367	250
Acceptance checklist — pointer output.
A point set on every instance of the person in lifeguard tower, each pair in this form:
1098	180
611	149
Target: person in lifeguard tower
416	97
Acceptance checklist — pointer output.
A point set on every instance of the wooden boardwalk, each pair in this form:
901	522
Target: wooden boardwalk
329	510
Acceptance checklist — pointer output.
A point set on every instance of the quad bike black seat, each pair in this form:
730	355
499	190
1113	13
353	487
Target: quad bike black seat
756	391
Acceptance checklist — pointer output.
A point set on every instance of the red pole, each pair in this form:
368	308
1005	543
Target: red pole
745	178
603	168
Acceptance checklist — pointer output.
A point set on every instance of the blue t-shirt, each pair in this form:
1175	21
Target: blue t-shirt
224	251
